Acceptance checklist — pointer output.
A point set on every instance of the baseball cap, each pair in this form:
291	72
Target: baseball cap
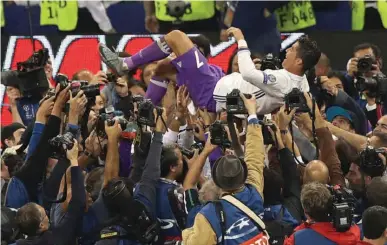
7	131
335	111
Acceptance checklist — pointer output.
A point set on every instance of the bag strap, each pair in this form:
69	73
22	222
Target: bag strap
247	211
222	217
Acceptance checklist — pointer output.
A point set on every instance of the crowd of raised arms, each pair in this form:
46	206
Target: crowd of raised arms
271	152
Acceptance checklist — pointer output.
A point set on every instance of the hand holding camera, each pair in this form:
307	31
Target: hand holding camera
113	132
61	99
284	118
45	109
77	107
99	78
352	67
320	122
208	147
160	119
72	154
250	104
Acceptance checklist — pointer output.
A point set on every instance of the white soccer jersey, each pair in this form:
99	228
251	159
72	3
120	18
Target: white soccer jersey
270	93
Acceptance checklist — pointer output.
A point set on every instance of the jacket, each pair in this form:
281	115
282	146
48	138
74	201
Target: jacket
202	232
323	233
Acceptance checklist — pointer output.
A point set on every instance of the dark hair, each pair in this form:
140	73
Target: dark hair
377	192
94	181
374	222
375	49
168	159
13	162
337	74
229	67
316	200
28	219
273	184
308	52
203	43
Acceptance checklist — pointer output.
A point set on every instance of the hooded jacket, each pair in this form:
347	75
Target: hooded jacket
323	233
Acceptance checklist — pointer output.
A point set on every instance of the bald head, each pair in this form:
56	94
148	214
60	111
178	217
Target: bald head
84	75
316	171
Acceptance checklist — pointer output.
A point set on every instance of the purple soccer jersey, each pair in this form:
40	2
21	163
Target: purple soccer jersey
200	78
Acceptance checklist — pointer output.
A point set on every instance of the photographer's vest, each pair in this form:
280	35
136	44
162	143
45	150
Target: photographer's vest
201	10
169	227
62	13
305	236
358	14
295	15
240	229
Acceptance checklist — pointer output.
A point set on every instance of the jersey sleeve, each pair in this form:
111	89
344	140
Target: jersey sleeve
271	82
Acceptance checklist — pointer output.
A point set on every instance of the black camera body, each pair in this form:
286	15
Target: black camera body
110	115
145	113
271	62
61	143
235	104
296	99
343	205
376	86
364	64
370	162
219	134
90	90
191	152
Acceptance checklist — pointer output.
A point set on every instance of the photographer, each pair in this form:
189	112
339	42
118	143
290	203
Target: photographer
240	180
33	221
317	202
23	187
302	56
375	226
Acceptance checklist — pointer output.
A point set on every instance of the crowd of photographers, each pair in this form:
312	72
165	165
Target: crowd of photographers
106	159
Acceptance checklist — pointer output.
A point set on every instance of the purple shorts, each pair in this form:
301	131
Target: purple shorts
200	78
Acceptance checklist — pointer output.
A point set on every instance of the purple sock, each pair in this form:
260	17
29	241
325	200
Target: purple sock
156	90
156	51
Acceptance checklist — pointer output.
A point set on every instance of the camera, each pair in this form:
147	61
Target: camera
133	216
110	115
219	134
178	8
145	113
235	104
61	143
370	162
29	77
376	86
111	77
270	62
267	137
191	152
296	99
365	63
343	205
90	91
138	98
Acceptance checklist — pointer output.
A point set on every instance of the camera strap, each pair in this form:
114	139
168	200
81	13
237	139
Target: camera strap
234	138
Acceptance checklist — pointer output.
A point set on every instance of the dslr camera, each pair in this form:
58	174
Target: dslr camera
90	91
191	152
370	162
376	86
145	113
110	115
296	99
219	134
61	143
270	62
365	63
235	104
29	77
343	206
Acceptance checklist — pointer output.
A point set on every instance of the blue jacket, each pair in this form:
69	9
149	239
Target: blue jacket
169	227
239	227
271	213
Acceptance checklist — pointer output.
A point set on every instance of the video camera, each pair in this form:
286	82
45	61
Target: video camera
60	144
132	215
271	62
30	76
296	99
235	104
110	115
90	91
219	134
364	64
343	206
370	162
376	86
191	152
145	113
